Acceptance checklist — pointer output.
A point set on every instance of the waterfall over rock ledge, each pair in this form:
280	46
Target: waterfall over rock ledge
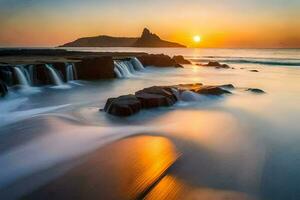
127	67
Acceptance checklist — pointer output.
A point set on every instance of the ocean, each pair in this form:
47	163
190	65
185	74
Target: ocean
245	142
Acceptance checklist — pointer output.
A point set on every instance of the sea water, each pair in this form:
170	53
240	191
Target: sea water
242	142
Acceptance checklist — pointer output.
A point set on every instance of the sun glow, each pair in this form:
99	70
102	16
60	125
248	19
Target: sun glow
197	38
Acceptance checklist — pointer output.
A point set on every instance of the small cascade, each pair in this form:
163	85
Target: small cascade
54	75
127	68
70	72
22	76
137	64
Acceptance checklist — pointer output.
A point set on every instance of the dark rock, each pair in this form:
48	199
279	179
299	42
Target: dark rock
153	100
6	75
163	91
224	66
256	90
123	106
215	64
3	89
227	86
253	70
41	75
93	68
156	96
212	90
181	60
158	60
61	69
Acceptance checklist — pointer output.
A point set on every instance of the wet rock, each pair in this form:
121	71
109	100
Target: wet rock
215	64
158	60
3	89
94	68
153	100
156	96
227	86
212	90
123	106
181	60
6	75
256	90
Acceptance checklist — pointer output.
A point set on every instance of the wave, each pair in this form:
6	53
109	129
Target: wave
240	60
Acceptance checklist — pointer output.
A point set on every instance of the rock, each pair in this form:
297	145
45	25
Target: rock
181	60
3	89
158	60
123	106
224	66
256	90
41	75
227	86
94	68
212	90
253	70
215	64
61	68
6	75
156	96
163	91
153	100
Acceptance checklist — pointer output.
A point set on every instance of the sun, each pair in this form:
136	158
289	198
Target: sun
197	38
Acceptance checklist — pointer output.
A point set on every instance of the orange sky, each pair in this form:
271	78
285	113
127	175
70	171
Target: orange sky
230	23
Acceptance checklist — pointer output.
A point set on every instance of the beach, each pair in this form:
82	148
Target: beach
58	143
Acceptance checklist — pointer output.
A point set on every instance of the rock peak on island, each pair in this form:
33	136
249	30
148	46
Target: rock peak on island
147	39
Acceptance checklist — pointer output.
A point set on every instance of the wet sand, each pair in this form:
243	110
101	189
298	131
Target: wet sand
140	167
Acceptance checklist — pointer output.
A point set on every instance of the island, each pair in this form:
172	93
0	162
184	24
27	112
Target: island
147	39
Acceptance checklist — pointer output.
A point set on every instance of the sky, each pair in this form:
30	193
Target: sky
220	23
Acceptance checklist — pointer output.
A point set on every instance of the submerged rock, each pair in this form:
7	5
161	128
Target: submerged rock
181	60
256	90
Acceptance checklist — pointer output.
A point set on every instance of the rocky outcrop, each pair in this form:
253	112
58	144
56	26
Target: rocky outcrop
3	89
156	96
181	60
158	60
93	68
215	64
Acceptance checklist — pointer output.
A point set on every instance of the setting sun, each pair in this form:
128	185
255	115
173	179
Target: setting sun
197	38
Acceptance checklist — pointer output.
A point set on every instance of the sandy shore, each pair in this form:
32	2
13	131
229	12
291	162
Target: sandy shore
140	167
